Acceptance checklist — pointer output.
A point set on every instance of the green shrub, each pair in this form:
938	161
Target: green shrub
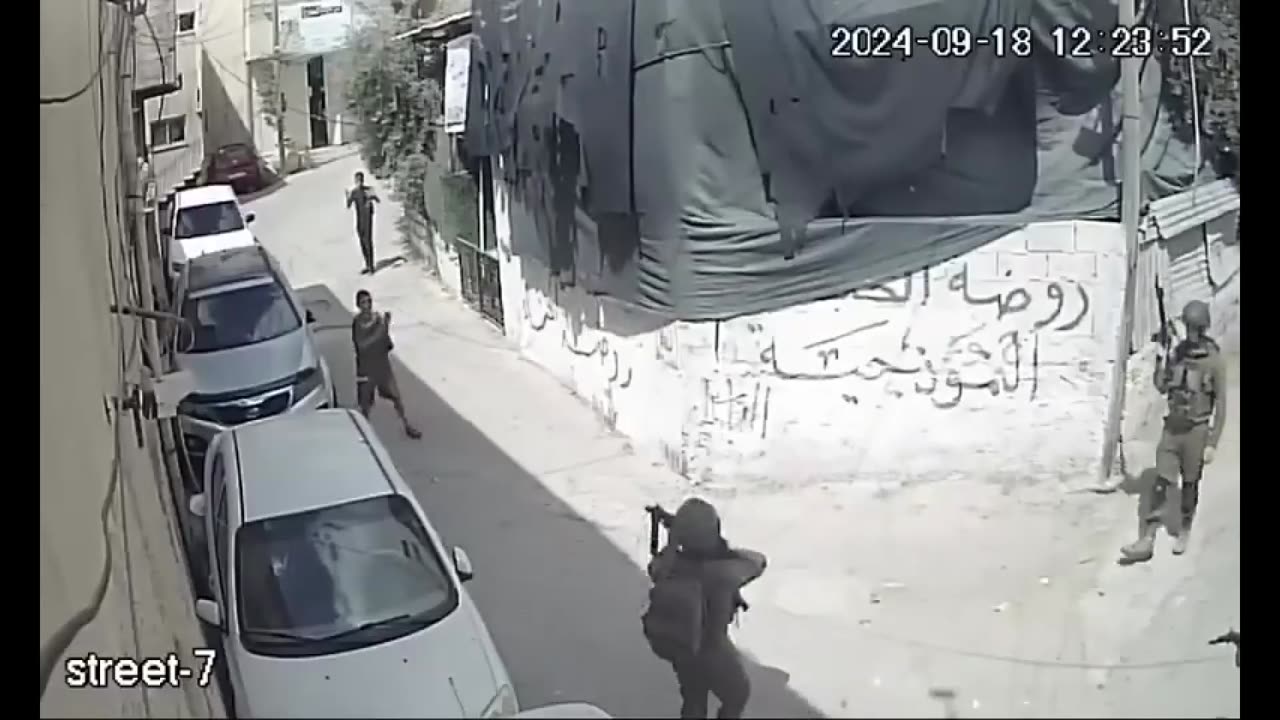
1217	83
396	106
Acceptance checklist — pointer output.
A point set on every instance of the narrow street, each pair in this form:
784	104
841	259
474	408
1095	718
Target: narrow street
875	602
563	602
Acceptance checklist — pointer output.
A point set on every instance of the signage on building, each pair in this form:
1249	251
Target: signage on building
315	28
457	71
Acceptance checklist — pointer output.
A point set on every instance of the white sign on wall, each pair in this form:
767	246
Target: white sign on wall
457	71
315	28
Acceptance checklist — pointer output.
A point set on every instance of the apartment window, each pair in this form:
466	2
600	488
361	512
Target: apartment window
169	131
186	22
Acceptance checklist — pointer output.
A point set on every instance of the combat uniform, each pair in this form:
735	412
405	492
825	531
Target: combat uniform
1195	384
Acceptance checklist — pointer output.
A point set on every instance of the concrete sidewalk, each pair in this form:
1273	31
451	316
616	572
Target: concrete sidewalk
875	598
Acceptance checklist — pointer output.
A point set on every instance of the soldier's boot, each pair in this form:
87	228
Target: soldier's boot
1142	549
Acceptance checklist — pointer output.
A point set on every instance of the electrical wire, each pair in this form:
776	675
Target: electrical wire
93	77
155	39
65	635
1195	104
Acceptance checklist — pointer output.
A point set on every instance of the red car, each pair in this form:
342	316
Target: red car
236	165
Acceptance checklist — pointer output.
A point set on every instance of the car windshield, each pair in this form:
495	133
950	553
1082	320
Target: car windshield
239	315
202	220
356	574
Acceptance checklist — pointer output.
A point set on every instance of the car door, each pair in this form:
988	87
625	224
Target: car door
215	489
220	559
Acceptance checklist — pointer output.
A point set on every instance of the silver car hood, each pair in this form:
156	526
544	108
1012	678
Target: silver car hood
438	672
250	366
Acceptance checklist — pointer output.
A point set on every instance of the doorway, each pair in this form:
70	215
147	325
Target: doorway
316	103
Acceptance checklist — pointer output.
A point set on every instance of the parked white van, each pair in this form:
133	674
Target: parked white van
334	595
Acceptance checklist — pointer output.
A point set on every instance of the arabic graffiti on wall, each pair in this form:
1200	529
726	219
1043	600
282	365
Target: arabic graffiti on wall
667	347
939	336
738	405
539	313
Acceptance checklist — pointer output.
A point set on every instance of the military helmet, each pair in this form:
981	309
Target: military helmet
1196	314
696	526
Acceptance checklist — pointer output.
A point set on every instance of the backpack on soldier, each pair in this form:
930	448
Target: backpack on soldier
673	622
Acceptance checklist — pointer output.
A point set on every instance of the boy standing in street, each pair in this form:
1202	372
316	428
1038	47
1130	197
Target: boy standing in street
371	335
362	198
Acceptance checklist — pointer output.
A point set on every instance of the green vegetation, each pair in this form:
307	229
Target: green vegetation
1217	84
397	102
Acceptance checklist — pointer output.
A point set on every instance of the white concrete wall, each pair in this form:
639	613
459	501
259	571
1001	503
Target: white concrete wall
293	84
337	73
172	164
147	608
858	388
226	94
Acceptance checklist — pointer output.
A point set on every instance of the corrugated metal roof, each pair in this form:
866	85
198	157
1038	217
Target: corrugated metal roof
446	13
1173	215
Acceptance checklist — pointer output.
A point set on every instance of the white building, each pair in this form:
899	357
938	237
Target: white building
170	134
313	71
240	91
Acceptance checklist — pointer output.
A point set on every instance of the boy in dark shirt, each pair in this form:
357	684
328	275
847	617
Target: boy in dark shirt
362	198
371	335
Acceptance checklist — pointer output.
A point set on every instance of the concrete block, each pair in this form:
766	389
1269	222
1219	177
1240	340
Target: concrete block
983	265
1100	238
1049	237
1018	267
1078	265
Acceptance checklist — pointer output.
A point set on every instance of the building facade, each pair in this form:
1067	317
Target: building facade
311	40
996	364
168	112
112	577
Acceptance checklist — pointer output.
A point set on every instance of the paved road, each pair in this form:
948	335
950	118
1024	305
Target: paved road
562	601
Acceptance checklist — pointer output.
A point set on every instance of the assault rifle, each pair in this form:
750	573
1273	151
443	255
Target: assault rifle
1230	636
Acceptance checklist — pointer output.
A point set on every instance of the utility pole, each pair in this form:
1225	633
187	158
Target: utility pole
1130	217
279	84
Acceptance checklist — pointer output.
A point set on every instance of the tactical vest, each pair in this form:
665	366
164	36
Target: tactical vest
1190	386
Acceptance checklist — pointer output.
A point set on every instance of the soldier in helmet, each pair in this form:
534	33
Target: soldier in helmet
1195	383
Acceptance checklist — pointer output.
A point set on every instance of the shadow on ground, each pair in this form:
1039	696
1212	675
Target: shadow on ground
273	184
563	603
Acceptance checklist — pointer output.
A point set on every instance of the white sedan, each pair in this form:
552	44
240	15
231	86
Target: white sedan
334	595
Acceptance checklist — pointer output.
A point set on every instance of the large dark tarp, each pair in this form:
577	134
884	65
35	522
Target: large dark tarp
709	159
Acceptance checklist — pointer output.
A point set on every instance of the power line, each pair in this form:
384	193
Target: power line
155	40
93	77
64	635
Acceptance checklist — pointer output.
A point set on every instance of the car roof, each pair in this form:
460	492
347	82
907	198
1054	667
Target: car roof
229	266
294	463
205	195
187	249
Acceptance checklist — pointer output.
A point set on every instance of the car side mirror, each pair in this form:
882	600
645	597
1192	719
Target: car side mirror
209	611
249	217
462	564
311	317
197	504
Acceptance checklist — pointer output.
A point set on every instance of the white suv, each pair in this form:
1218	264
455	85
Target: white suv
334	595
